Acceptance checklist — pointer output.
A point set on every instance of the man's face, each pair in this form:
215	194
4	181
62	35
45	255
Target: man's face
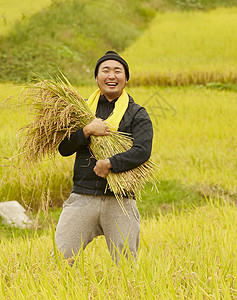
111	79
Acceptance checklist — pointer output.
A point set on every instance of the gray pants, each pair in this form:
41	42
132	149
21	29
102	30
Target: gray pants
86	216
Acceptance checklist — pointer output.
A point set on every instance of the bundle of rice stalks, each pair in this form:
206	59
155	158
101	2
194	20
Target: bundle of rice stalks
58	110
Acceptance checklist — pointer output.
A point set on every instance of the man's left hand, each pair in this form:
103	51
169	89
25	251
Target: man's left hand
102	167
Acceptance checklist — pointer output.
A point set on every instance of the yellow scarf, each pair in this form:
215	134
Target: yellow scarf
119	109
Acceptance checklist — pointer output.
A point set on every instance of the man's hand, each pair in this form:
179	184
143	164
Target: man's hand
96	127
102	167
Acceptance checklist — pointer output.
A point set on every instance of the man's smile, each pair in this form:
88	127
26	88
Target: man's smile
111	83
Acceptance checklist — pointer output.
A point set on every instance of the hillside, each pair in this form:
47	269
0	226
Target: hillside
71	35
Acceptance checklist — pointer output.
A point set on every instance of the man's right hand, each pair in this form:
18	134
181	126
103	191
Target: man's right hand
96	127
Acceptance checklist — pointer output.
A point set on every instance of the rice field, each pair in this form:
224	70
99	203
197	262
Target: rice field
187	253
192	47
188	256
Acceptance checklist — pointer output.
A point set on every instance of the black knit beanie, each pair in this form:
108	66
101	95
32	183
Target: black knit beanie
114	56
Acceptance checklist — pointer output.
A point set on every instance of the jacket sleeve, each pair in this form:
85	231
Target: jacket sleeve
140	152
71	145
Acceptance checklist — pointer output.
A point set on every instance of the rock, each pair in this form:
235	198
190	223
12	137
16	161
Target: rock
14	214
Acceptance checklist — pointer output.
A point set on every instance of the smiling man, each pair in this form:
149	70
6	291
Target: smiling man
92	209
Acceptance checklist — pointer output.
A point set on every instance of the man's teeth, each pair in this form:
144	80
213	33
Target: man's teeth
111	83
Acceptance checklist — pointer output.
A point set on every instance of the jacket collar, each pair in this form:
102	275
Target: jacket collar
105	100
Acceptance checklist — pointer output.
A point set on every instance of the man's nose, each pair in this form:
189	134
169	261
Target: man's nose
111	74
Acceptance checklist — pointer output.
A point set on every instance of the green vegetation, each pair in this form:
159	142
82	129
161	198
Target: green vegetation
70	35
188	256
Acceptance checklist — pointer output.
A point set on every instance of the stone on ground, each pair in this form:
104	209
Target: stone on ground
14	214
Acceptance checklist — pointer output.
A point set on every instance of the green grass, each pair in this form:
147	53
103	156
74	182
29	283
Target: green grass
182	48
191	255
71	35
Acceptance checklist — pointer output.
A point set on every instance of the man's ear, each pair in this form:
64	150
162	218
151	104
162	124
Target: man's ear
96	79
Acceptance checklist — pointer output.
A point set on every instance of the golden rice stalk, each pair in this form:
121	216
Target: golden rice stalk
58	110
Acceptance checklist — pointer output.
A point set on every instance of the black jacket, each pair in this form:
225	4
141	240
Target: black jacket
135	121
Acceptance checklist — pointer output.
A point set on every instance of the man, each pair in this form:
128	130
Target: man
90	211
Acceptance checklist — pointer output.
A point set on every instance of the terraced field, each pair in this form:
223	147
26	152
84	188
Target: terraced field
186	48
